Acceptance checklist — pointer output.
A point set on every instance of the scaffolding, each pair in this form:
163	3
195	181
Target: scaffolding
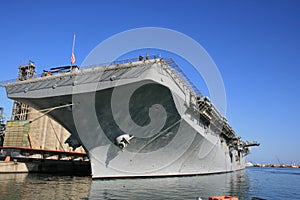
20	110
2	127
29	128
27	71
1	116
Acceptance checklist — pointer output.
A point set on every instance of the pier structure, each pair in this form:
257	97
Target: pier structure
31	128
34	142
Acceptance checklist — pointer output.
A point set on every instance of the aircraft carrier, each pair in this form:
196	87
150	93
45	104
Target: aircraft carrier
140	117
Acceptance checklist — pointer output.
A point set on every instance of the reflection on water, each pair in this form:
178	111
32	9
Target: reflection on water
234	184
266	183
38	186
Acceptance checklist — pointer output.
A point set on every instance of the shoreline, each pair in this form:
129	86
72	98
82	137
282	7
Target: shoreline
296	166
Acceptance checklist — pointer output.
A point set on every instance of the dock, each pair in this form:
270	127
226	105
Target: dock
31	142
28	160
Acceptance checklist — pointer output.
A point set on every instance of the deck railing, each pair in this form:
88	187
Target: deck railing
105	64
119	62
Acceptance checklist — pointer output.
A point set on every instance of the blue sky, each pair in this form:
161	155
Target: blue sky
255	44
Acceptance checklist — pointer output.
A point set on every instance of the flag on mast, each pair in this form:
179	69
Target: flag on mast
73	60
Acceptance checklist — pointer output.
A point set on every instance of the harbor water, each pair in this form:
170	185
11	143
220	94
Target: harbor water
265	183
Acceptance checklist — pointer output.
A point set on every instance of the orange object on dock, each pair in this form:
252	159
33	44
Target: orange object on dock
7	159
222	198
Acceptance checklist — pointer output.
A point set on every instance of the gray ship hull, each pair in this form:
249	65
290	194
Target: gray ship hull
169	138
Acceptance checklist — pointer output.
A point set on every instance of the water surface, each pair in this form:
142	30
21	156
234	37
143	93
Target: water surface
267	183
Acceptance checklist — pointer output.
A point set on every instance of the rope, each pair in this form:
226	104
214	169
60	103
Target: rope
48	110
